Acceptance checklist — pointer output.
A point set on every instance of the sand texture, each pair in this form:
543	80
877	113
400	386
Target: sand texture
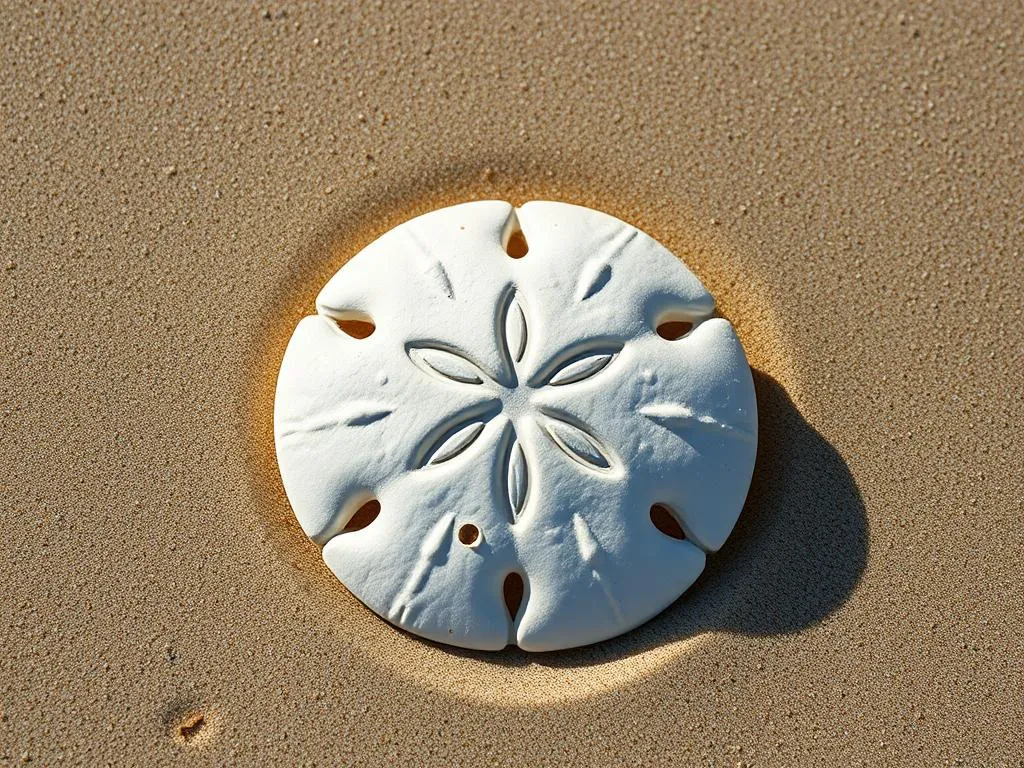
176	183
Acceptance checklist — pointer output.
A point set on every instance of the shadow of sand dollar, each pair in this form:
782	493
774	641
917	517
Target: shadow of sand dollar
801	544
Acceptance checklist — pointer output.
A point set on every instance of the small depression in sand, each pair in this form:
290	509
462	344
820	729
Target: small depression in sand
190	726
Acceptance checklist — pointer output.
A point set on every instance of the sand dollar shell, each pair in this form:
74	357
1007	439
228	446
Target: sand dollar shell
516	421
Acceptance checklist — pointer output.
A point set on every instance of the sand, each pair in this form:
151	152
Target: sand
177	183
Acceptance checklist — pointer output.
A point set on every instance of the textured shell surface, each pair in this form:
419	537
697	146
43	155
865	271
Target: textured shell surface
529	401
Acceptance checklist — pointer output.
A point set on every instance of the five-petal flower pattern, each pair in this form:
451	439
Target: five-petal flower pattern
507	396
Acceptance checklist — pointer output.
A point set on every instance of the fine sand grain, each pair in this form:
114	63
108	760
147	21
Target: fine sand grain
177	182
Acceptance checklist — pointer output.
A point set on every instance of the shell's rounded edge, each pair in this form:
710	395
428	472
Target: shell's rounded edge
352	416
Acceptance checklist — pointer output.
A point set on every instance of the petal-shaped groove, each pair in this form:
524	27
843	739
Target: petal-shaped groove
515	330
595	274
367	416
358	413
455	443
433	554
593	277
592	554
581	369
518	479
430	265
677	417
447	365
577	444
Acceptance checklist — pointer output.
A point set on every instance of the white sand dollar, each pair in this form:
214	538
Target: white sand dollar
516	418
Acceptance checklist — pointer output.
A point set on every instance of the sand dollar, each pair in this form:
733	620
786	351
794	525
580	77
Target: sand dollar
539	441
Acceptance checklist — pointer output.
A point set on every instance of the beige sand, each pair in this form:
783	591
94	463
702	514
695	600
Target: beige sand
177	184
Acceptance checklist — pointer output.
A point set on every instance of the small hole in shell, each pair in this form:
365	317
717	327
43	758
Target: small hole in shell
674	329
365	515
357	329
469	534
516	247
665	521
512	592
